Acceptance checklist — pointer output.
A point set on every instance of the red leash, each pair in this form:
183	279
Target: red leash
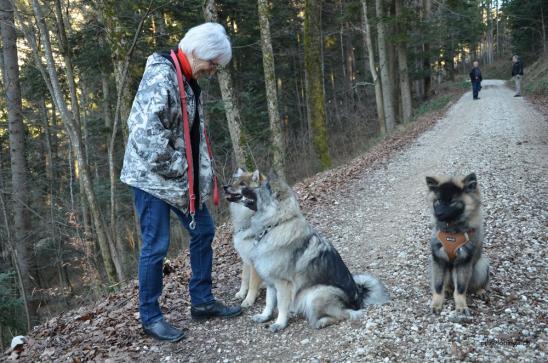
188	148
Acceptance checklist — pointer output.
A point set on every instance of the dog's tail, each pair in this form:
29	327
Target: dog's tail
371	290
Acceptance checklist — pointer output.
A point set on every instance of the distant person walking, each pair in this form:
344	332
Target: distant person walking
475	78
517	74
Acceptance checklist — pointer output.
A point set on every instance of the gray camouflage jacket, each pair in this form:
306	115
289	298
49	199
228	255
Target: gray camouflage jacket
155	159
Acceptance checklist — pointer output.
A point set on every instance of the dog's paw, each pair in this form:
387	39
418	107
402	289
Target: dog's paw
436	310
240	295
324	322
465	311
483	296
247	303
261	318
276	327
355	314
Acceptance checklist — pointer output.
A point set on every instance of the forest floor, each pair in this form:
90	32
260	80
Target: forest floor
375	212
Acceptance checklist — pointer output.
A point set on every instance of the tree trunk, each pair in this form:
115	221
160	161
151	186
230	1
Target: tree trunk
372	69
121	72
84	206
14	256
232	110
543	30
498	45
65	51
489	32
405	88
427	10
19	169
270	84
73	131
314	80
387	89
344	68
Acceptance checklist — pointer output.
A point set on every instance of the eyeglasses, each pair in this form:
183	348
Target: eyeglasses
213	64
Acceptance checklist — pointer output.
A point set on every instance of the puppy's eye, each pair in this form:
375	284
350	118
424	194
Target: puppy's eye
457	204
242	184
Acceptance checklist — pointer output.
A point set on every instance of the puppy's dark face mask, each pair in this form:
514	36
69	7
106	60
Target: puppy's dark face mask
449	197
448	207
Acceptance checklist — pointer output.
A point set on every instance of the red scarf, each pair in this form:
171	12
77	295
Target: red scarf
187	69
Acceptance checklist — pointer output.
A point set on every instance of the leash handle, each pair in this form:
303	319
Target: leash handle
215	185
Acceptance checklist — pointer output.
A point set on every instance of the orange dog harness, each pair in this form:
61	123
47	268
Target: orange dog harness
452	241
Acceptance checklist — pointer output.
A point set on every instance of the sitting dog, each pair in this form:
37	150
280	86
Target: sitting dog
303	272
243	237
457	239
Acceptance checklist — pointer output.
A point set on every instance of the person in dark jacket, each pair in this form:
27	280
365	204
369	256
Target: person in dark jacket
517	74
158	168
475	78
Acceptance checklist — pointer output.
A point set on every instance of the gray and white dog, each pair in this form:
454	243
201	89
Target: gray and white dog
243	236
303	272
457	241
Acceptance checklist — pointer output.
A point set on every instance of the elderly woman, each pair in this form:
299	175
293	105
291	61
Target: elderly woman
169	166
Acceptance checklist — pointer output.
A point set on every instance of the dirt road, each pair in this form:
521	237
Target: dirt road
379	221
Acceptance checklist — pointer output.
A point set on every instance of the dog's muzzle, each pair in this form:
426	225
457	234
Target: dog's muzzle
230	195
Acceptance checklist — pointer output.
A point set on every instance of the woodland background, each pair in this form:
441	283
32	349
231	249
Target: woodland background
312	84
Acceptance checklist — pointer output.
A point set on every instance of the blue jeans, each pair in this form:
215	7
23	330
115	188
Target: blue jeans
476	85
153	216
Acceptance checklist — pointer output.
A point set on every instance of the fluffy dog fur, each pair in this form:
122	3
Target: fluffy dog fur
456	209
302	270
243	236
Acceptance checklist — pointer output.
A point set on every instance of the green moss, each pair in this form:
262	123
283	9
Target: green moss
432	105
538	86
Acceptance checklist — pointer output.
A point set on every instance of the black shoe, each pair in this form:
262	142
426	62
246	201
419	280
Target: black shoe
162	330
517	95
214	309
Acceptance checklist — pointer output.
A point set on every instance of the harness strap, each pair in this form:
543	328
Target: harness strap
452	241
263	233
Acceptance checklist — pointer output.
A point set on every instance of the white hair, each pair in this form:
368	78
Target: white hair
208	42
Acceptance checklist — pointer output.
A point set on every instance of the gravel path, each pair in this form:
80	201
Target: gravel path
380	223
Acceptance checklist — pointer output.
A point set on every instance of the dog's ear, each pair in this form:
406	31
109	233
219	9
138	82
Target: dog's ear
432	183
256	176
470	183
238	173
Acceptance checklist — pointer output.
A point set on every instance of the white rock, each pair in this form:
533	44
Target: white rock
18	340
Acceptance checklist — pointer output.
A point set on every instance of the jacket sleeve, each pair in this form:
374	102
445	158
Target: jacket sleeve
152	123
